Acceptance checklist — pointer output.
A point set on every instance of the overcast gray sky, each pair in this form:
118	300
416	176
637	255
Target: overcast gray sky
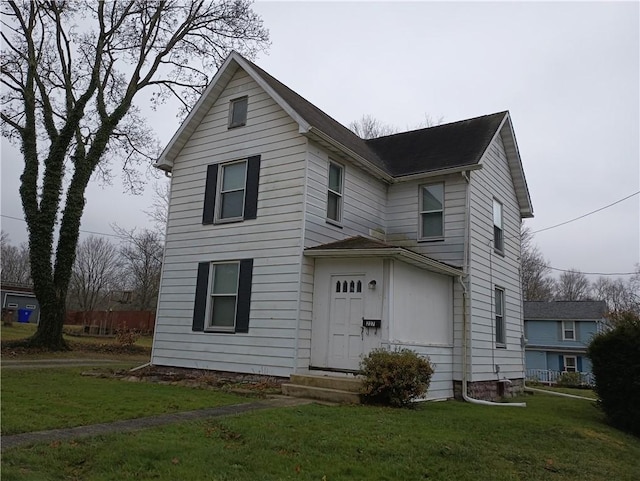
567	72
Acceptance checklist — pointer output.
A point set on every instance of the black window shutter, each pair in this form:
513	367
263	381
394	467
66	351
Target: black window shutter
202	291
244	295
561	362
251	194
210	194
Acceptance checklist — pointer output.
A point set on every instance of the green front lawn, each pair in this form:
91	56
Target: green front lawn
552	439
81	346
38	399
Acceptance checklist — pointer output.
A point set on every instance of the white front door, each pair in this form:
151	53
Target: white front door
345	322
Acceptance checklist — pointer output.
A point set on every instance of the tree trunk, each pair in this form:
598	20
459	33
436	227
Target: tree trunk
52	312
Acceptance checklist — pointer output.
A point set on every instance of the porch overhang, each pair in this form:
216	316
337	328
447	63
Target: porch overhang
391	252
570	349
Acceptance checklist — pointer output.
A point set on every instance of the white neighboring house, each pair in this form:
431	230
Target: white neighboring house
294	245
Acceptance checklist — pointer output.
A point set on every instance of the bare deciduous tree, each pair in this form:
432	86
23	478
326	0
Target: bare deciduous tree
619	295
96	271
159	211
572	285
71	71
142	259
15	262
370	128
537	284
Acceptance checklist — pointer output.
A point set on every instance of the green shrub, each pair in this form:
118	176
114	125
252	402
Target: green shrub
570	379
394	378
615	356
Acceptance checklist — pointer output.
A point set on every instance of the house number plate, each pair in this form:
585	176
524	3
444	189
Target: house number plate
371	323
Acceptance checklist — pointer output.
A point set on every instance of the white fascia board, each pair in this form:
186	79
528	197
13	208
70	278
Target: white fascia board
366	164
188	126
436	173
399	253
515	165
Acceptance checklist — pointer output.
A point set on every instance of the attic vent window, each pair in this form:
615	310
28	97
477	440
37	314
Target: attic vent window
238	112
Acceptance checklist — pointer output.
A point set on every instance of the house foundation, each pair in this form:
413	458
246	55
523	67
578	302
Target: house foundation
490	390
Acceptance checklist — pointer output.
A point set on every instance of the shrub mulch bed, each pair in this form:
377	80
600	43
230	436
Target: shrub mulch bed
237	383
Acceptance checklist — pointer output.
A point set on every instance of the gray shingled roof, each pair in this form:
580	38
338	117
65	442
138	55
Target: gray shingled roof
441	147
444	146
558	310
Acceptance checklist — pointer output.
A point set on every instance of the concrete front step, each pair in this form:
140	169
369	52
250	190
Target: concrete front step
349	384
335	389
321	393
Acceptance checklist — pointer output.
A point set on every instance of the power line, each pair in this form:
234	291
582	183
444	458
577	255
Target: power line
81	230
588	213
594	273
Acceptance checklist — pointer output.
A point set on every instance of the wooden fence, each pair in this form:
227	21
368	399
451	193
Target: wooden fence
105	323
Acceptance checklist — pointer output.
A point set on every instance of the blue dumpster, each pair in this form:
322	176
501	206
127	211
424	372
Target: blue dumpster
24	314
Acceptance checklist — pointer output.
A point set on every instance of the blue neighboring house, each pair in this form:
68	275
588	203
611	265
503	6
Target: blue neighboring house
558	333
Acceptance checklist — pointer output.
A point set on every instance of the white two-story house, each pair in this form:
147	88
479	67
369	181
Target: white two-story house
294	245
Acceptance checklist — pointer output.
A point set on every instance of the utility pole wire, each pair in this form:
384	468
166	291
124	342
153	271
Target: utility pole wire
585	215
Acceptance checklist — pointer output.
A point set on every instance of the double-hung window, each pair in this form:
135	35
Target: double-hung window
223	296
570	364
238	112
568	331
432	211
499	313
498	233
231	191
335	192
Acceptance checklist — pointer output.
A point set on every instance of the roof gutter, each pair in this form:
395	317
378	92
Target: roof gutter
437	173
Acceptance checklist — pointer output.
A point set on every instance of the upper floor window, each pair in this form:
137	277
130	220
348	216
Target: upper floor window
498	235
568	331
432	211
238	112
231	191
335	191
499	313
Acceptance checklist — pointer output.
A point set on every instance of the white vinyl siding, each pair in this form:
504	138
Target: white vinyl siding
489	269
272	240
403	226
363	199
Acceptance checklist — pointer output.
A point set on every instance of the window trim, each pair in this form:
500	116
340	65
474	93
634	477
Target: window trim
218	219
340	195
499	249
209	327
573	330
421	213
232	104
564	362
499	319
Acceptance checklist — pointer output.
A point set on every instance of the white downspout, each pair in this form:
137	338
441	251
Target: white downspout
465	324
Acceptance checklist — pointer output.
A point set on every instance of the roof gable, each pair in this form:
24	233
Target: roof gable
448	147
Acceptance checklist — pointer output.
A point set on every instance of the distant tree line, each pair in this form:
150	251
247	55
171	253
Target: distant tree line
122	275
572	285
